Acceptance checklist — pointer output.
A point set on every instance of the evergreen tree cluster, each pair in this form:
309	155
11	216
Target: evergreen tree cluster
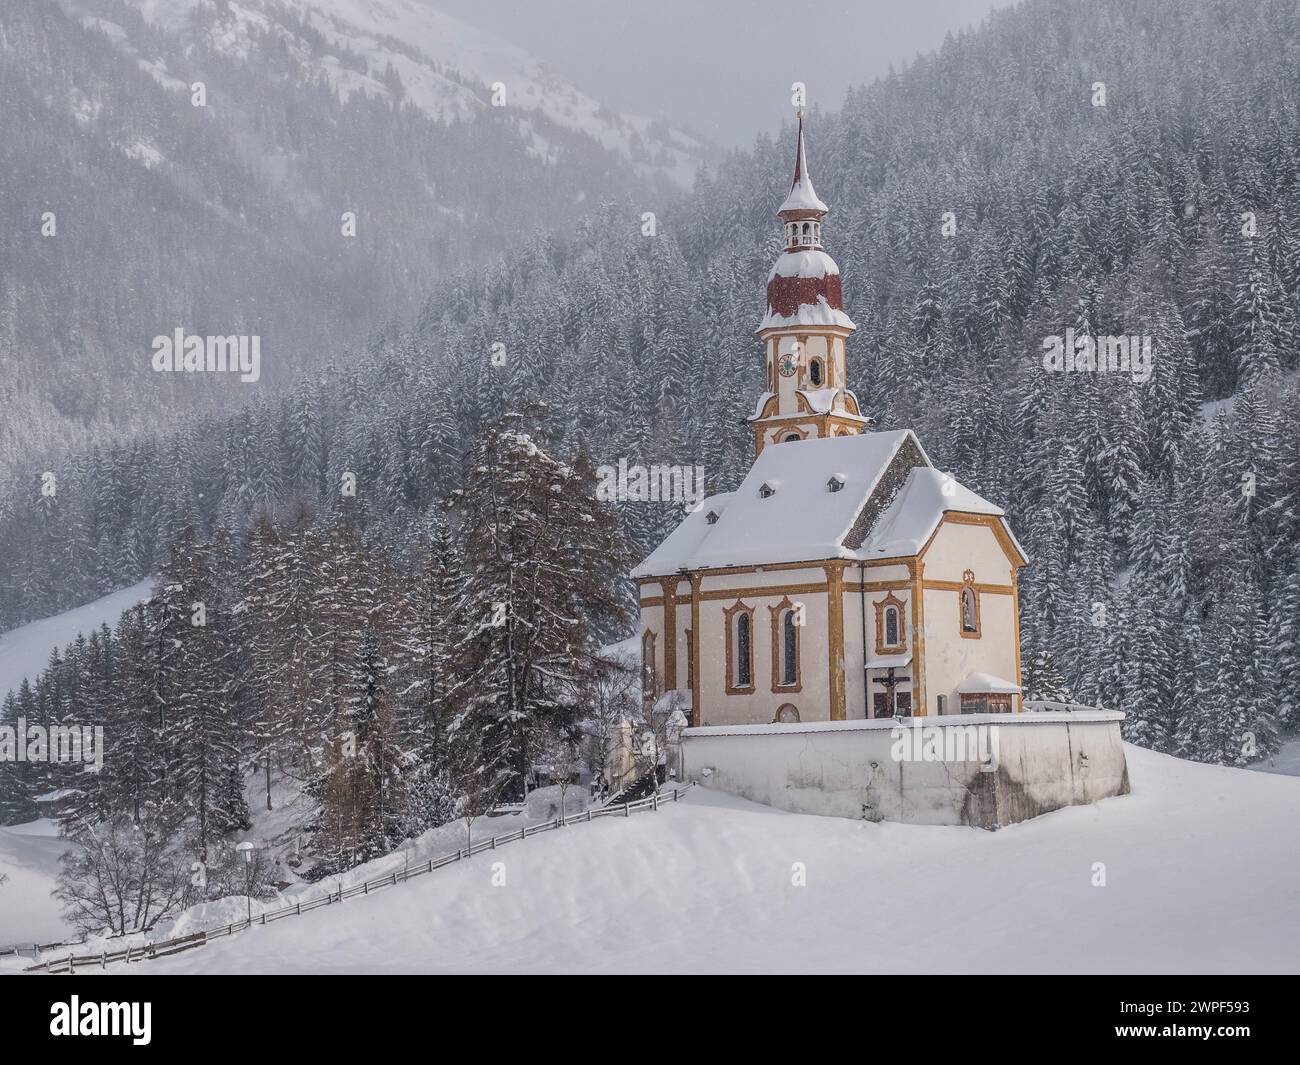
383	676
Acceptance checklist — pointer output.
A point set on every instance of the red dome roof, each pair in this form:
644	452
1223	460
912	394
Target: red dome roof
786	294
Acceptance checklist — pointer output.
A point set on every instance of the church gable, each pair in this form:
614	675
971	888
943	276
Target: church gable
907	458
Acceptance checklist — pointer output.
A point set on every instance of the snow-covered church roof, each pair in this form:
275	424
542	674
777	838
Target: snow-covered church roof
890	502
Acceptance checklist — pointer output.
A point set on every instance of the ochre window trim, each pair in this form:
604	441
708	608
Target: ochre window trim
968	585
778	647
881	605
730	615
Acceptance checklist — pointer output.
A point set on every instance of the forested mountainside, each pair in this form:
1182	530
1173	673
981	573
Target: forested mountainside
131	212
1164	576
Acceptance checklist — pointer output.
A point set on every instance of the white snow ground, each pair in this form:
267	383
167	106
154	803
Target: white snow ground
1286	761
1202	868
29	858
24	651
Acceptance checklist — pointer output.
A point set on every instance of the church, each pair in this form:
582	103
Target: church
846	578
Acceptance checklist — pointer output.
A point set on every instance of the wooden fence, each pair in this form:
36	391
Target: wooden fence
167	947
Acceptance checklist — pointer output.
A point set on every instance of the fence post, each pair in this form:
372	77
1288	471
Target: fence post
627	810
298	909
654	805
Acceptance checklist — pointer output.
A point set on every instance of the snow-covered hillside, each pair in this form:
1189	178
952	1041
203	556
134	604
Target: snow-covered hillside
446	68
25	651
1201	865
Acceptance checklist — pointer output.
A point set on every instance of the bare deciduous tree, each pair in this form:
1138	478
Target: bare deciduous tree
121	875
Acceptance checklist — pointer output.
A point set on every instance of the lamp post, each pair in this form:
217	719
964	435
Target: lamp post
246	849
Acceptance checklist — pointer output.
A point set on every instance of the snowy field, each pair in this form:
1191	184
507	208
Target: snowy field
29	857
1202	868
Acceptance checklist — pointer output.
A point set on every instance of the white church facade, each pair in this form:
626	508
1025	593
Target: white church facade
846	578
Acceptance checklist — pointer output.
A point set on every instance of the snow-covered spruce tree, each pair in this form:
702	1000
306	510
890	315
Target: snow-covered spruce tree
431	605
133	771
362	793
1232	720
543	562
16	787
1137	680
259	625
202	731
1288	659
1043	680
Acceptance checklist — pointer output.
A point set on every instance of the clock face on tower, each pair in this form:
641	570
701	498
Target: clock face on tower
789	364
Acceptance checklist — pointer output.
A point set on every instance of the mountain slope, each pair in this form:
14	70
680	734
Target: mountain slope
445	67
142	213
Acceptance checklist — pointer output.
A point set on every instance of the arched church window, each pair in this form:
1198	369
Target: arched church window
789	649
787	715
744	649
891	626
792	436
969	603
740	648
785	645
815	371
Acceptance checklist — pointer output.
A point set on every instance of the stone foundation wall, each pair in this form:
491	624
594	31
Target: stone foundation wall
983	770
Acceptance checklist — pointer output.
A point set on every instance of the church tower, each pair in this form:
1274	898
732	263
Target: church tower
806	393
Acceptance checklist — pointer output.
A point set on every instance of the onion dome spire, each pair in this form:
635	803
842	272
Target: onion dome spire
803	203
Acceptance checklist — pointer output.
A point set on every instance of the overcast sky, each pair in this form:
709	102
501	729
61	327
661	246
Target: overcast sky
723	67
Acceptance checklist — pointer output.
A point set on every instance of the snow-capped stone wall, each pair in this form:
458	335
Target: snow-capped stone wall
983	770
